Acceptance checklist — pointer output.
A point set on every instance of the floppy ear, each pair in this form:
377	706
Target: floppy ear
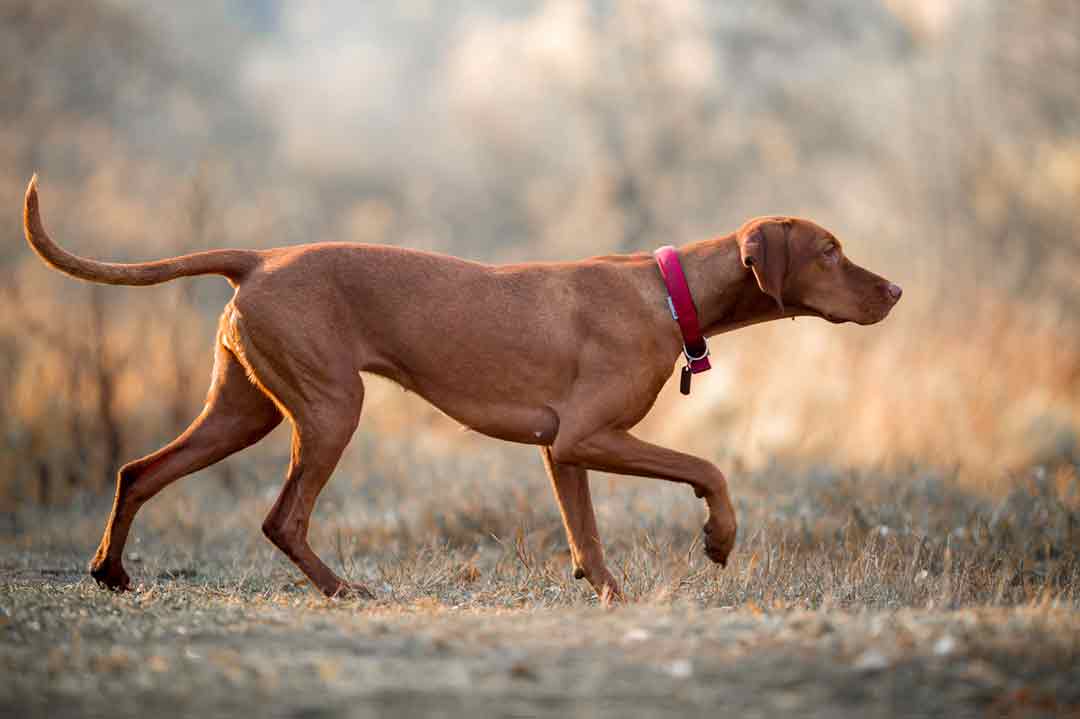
764	249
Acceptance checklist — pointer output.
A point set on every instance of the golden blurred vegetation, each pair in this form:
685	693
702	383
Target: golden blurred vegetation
940	141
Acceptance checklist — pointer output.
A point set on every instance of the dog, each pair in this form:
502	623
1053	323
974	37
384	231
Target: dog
567	356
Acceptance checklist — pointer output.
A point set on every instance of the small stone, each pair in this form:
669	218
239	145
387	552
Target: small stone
945	646
680	668
636	635
871	661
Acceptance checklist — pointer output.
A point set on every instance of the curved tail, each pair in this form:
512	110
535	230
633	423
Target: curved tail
233	264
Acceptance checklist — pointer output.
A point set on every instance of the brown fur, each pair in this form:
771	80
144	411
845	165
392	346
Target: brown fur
567	356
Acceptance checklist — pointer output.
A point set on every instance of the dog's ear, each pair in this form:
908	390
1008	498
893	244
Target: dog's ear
763	247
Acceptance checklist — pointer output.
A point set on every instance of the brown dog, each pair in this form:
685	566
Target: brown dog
566	356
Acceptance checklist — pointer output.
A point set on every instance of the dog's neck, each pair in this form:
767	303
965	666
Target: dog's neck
725	292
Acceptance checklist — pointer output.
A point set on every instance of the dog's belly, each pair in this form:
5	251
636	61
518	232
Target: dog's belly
499	417
507	421
527	425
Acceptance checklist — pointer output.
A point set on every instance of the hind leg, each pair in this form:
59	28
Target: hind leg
317	446
237	414
322	393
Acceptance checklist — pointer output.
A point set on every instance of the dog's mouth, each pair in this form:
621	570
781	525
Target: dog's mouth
808	311
876	315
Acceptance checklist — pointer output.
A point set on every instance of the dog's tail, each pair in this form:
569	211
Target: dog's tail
233	264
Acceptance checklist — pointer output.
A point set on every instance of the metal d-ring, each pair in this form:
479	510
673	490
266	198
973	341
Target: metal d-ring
692	358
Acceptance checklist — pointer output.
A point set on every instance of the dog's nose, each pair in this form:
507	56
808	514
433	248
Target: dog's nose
895	291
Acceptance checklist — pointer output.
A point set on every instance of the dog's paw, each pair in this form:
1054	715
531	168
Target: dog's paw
719	541
352	590
603	583
607	589
610	594
111	576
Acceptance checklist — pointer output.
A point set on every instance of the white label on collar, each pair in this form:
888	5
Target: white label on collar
671	306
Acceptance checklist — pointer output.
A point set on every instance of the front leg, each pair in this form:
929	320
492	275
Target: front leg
613	450
571	485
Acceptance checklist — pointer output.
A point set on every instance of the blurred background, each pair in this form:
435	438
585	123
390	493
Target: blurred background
940	140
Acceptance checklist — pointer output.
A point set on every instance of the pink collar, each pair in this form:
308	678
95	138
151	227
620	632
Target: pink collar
681	304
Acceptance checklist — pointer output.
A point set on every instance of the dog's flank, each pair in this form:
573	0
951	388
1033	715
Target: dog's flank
567	356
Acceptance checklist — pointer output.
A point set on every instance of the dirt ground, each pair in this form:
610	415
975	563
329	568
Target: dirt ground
180	648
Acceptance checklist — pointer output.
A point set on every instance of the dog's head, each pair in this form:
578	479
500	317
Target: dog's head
803	268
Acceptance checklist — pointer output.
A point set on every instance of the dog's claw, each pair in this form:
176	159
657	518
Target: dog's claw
610	595
606	588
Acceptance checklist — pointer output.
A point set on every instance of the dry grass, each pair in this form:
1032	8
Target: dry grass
850	594
479	528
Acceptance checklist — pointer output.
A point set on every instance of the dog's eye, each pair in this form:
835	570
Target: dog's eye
831	252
